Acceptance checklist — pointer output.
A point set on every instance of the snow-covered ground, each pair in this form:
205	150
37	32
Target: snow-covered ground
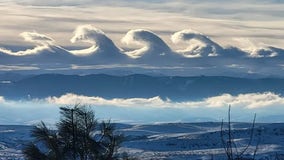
171	141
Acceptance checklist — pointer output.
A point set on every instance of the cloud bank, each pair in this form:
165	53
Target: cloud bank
143	110
248	101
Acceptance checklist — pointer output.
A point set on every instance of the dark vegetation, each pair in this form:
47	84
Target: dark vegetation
78	136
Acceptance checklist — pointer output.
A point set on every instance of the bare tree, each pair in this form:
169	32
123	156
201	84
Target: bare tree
233	152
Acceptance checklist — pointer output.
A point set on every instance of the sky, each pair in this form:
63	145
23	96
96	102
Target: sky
241	38
259	21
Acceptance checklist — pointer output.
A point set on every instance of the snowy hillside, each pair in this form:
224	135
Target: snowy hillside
171	141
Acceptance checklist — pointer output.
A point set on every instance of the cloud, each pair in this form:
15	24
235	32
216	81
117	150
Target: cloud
202	56
35	37
101	44
132	102
144	110
32	51
2	99
199	45
152	45
258	50
41	40
55	2
249	101
17	68
110	66
259	19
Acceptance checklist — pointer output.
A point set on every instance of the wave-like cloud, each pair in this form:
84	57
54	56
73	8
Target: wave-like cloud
41	40
37	38
101	44
152	44
213	58
199	45
259	51
44	52
266	52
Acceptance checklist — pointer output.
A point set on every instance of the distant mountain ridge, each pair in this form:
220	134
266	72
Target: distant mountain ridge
137	85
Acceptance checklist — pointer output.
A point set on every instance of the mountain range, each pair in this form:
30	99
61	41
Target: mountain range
133	86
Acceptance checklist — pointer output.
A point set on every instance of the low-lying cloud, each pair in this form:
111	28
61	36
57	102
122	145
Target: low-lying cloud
249	101
146	110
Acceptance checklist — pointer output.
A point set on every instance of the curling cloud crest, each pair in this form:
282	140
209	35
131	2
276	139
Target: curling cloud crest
199	44
41	40
260	50
101	44
152	44
37	38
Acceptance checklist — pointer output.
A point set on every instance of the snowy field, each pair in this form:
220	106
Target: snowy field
171	141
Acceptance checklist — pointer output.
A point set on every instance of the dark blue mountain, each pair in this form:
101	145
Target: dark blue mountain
144	86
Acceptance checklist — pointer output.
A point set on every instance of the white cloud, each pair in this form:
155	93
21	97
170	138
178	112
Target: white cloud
32	51
100	42
257	50
249	101
2	99
199	44
128	66
145	110
69	98
150	42
41	40
37	38
17	68
88	33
